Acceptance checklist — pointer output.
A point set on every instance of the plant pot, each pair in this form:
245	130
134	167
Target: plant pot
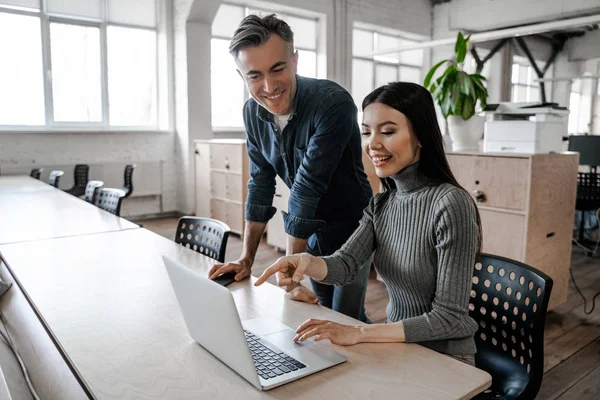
465	135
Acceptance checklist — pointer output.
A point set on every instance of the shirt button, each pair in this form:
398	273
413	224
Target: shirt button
283	154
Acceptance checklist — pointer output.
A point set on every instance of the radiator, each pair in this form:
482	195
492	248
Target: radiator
147	176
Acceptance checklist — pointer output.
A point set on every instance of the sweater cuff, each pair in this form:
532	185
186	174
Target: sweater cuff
336	274
417	329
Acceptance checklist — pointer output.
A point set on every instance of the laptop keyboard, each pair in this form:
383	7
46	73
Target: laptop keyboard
270	362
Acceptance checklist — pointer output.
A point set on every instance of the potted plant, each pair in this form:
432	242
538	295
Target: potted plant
458	93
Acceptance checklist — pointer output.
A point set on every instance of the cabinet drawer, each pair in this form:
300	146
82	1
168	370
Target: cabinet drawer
218	210
503	180
503	234
235	188
235	217
226	157
218	184
462	168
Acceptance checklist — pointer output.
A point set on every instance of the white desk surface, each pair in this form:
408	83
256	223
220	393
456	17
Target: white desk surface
108	301
32	210
22	184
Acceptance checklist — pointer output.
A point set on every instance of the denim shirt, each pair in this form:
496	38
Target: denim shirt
318	156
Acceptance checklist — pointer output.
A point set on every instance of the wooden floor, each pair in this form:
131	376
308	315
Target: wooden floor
571	341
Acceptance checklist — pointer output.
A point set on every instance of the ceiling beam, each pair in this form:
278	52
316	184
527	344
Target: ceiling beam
525	30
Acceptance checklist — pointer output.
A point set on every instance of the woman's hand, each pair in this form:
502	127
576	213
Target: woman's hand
339	334
291	269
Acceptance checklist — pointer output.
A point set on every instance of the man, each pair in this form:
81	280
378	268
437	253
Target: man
305	131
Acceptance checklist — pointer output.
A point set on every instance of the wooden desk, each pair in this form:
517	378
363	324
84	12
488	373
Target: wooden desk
110	306
32	210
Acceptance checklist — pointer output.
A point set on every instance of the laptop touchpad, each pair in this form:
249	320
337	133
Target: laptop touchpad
283	340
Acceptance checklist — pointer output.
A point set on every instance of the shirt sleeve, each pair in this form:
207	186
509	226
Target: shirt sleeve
334	126
261	186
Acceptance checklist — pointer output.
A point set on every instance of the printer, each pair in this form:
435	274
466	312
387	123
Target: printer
524	127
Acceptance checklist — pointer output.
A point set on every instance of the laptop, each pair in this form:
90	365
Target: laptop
261	350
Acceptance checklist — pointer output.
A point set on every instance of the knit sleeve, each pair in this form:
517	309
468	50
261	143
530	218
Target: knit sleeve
344	264
457	236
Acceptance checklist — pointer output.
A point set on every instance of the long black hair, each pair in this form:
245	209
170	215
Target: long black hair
416	103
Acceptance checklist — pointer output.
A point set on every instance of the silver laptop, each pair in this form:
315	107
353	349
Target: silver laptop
261	350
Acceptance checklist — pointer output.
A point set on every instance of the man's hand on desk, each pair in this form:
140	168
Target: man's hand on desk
290	270
241	267
300	293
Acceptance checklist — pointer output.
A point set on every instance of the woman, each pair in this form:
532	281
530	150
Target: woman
424	230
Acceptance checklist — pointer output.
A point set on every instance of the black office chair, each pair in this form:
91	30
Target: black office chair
36	172
80	180
91	190
54	179
110	200
204	235
128	179
588	183
509	301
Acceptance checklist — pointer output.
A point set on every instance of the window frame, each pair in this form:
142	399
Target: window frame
530	84
282	14
381	60
45	18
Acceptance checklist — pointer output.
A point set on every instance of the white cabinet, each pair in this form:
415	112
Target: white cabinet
222	176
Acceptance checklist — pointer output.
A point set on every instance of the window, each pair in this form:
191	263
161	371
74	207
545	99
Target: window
228	90
369	71
84	64
76	75
132	90
524	89
580	105
21	77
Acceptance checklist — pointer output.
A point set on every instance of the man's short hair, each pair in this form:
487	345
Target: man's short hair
255	31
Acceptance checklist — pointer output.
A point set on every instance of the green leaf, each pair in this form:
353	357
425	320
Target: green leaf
446	107
460	48
458	107
462	77
456	92
470	88
468	109
431	72
479	77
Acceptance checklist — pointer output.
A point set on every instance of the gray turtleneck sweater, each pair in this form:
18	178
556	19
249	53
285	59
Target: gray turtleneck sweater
425	239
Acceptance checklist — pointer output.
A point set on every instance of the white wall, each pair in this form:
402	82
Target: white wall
25	149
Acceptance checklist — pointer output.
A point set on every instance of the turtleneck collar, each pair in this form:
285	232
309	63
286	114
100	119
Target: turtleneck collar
409	179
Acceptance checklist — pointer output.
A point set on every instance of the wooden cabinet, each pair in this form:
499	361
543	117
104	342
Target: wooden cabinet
222	176
527	206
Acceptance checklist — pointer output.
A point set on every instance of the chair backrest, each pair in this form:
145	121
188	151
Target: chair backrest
91	190
110	200
54	179
588	147
509	301
204	235
36	172
128	179
80	179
